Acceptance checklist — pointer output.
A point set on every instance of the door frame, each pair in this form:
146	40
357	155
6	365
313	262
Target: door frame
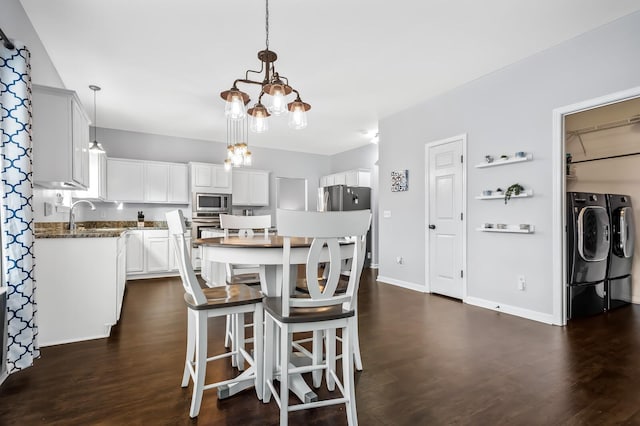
559	262
463	138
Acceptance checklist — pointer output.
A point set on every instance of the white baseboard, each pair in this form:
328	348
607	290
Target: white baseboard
635	300
73	340
511	310
405	284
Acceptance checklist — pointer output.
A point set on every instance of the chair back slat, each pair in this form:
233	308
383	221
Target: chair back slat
177	230
245	224
327	230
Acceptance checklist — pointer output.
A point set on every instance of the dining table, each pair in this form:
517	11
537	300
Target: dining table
265	250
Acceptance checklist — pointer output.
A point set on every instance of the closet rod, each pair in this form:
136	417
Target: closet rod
606	158
607	126
7	42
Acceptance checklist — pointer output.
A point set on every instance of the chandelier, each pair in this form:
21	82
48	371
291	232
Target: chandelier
274	85
238	153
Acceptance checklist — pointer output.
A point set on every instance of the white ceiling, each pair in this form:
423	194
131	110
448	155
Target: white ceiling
162	63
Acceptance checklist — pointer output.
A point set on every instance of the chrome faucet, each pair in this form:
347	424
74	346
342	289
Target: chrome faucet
72	218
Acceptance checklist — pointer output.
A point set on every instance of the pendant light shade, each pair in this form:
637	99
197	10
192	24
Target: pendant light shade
258	122
298	114
95	146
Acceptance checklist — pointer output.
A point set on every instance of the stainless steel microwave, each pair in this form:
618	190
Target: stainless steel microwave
214	203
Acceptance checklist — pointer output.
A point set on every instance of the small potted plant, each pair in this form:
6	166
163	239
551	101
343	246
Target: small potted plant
514	189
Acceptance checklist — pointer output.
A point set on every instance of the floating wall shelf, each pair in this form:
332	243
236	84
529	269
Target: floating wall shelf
499	162
523	194
513	229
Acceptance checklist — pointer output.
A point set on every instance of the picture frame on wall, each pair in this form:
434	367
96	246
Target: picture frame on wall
399	180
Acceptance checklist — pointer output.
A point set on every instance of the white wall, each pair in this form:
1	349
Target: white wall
17	26
506	111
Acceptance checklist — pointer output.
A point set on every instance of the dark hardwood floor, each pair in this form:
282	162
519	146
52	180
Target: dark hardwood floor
428	360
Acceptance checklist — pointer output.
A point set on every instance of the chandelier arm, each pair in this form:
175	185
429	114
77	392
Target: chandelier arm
246	74
244	80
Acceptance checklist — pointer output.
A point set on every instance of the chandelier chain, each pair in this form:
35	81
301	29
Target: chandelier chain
266	20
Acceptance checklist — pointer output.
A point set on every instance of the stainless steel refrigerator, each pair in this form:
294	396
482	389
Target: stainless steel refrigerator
347	198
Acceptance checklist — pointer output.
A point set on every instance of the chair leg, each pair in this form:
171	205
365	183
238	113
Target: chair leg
258	349
234	340
317	357
227	333
285	352
201	363
191	347
355	339
348	381
330	357
238	339
269	351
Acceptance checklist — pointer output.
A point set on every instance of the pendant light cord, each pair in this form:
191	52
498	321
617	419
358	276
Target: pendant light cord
95	115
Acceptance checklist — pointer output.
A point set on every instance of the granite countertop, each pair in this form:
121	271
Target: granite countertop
104	229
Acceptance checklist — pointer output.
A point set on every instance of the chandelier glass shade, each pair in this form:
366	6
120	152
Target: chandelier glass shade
273	85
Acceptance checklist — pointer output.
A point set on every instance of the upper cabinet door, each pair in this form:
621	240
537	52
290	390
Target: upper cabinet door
250	188
60	130
156	187
178	184
125	180
210	178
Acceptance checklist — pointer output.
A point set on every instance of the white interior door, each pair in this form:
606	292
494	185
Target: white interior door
445	217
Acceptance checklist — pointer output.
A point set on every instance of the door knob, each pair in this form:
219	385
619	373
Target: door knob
432	227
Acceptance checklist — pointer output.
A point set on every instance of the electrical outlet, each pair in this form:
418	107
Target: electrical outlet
522	284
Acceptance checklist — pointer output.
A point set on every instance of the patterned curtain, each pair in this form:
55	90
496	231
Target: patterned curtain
16	211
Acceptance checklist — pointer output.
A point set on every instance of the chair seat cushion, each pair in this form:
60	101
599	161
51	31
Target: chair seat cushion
226	296
249	279
273	306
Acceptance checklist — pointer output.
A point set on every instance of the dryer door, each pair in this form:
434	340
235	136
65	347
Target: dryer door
627	232
593	233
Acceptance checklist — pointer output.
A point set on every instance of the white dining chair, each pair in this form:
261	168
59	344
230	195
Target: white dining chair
210	302
323	309
242	226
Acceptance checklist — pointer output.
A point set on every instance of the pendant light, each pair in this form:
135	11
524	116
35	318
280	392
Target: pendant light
95	145
276	88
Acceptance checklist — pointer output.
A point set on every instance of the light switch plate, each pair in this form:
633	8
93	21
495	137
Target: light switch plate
386	214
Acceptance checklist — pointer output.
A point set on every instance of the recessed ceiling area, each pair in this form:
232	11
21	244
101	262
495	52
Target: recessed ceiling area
163	64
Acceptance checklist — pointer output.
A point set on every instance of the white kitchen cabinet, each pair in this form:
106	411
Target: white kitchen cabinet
97	188
154	253
178	184
139	181
156	182
78	288
125	180
250	187
358	177
60	130
210	178
135	251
